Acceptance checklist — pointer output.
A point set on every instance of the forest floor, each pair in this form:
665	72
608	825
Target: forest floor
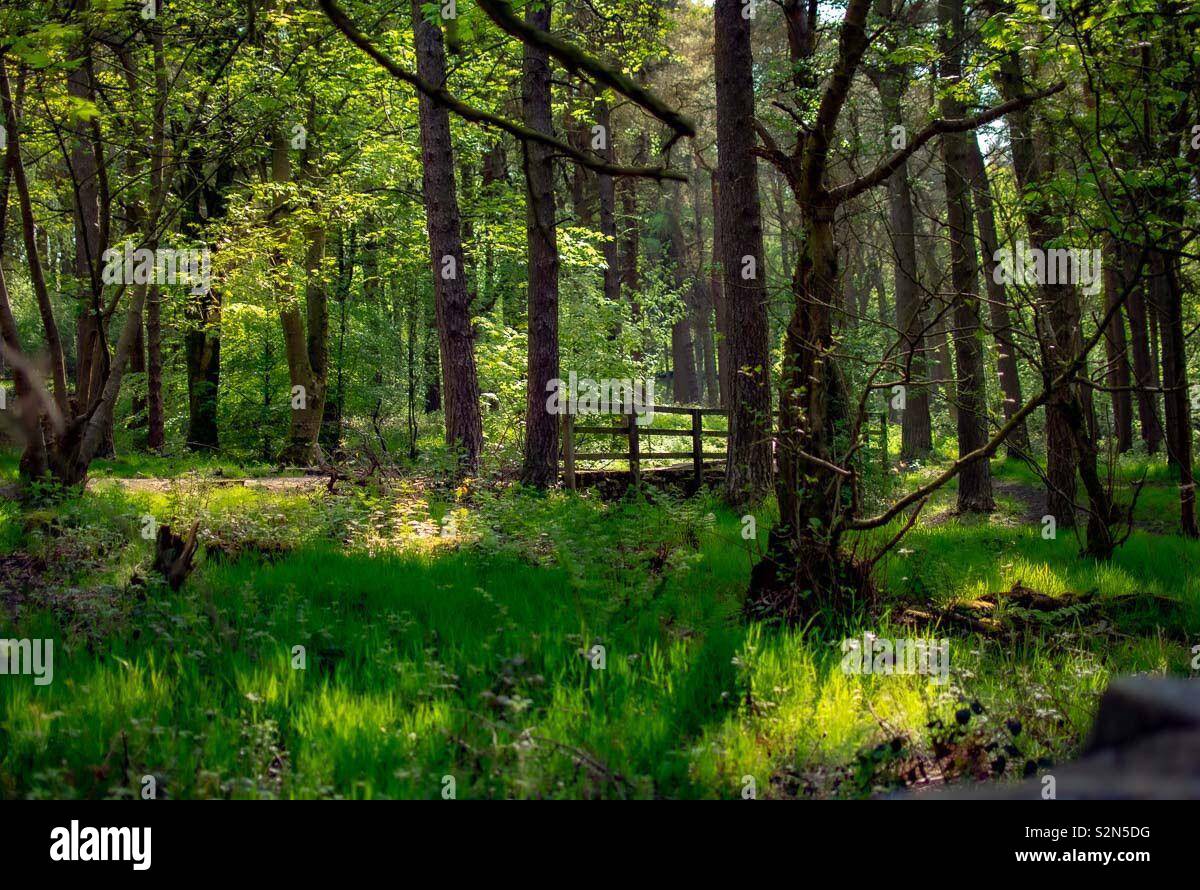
454	633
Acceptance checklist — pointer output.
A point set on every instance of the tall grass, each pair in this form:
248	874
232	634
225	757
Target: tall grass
471	655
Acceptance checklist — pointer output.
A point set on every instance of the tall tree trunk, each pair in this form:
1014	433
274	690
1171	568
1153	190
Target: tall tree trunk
1176	398
305	334
716	285
155	423
91	344
34	462
1116	350
37	276
137	365
975	480
935	319
999	310
778	187
460	384
540	463
1139	340
916	435
748	471
686	382
803	568
1069	447
202	312
608	210
431	361
631	242
704	301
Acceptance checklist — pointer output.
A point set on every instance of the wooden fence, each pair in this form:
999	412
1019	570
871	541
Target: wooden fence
628	430
633	434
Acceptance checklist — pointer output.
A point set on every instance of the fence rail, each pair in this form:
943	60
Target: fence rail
628	429
633	434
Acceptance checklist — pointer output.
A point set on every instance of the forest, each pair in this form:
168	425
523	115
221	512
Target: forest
594	398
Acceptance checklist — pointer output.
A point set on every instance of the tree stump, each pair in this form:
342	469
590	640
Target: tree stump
173	555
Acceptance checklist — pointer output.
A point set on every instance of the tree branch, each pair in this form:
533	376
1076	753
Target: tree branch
851	46
577	61
448	100
953	125
987	450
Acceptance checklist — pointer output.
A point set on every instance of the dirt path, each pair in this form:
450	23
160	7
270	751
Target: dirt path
266	483
1032	500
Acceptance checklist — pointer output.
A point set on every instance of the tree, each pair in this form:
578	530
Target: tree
999	311
916	437
460	386
1070	448
975	481
748	469
540	464
804	569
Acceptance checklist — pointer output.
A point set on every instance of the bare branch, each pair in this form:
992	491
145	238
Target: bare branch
577	61
467	112
954	125
988	449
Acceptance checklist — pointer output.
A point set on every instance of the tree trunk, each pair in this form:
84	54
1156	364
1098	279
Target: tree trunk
1166	282
999	310
631	242
1069	447
975	480
935	319
716	285
916	435
137	365
685	382
1116	350
748	471
202	312
540	464
704	301
1143	366
803	565
155	426
305	336
460	385
431	361
91	344
803	569
608	210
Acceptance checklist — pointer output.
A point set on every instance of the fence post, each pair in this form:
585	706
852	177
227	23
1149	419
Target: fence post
697	449
635	459
569	450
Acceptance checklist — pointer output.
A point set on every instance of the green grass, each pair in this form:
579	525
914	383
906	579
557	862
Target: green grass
452	634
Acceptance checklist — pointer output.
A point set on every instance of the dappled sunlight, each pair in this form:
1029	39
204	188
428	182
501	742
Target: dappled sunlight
372	643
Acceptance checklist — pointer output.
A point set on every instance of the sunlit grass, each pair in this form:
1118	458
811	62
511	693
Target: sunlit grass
472	658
